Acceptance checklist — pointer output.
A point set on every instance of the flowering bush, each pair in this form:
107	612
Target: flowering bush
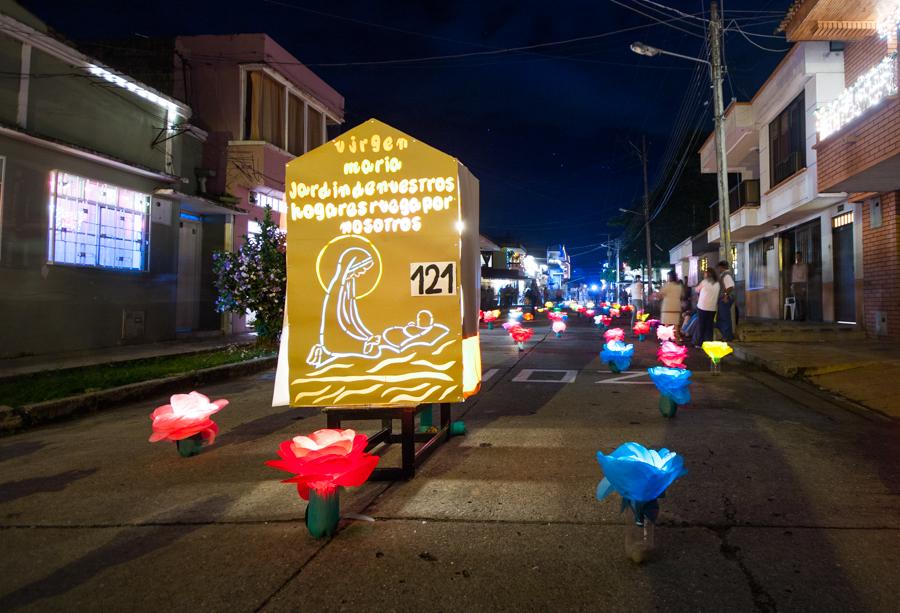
254	278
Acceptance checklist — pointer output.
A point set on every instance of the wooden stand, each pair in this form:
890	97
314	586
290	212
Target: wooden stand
408	437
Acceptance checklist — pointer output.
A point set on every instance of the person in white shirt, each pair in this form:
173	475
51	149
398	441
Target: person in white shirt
707	303
727	309
637	297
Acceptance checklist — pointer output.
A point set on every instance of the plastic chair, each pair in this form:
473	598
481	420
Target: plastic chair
790	304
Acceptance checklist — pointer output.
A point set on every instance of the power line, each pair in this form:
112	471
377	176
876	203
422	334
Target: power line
483	53
657	19
757	45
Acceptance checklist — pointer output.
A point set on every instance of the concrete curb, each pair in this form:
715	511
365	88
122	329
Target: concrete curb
15	419
793	371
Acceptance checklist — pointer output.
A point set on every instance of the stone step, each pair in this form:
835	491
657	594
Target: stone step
806	333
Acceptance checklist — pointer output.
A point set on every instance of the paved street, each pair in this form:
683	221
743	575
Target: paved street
790	503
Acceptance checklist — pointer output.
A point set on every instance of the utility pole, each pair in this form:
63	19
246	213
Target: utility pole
646	227
715	46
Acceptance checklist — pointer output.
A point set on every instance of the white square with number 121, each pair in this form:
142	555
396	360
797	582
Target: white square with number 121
432	278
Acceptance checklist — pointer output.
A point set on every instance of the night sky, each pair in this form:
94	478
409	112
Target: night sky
546	130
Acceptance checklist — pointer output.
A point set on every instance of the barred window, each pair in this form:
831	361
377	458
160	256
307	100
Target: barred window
97	224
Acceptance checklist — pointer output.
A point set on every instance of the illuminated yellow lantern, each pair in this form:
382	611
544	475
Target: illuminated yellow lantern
383	274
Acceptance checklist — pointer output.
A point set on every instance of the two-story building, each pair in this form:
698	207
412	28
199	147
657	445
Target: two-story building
259	106
858	152
96	177
794	244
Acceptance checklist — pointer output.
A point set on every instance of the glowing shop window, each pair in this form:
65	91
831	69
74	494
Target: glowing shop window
96	224
276	203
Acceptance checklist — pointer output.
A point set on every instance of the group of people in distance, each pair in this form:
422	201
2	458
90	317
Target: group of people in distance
715	305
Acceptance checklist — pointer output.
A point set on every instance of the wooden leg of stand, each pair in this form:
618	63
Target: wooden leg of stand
408	446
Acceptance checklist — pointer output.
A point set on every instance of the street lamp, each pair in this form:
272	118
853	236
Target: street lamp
642	49
717	71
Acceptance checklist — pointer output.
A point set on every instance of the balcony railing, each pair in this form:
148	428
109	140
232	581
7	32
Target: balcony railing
745	193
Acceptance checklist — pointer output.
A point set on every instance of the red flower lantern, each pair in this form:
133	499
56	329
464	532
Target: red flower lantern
325	460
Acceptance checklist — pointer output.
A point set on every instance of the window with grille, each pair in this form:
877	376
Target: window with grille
97	224
276	203
787	142
757	263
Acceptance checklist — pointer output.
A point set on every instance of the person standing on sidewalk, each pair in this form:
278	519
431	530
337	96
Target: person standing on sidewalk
670	312
727	309
707	302
637	297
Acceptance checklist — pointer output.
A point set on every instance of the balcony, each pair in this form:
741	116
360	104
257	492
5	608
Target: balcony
743	203
745	193
741	142
255	165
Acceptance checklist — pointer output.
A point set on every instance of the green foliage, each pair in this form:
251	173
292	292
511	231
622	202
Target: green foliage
50	385
254	278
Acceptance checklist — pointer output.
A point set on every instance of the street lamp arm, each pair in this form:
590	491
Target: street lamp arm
647	50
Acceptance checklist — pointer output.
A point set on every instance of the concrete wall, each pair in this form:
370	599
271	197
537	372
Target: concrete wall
48	308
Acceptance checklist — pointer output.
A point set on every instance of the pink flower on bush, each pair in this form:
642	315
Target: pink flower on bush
185	416
672	355
614	334
325	460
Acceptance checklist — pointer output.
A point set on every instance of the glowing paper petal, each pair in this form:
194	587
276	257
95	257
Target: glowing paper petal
520	334
641	328
672	355
672	382
618	353
490	316
614	334
716	350
614	312
559	326
511	324
185	416
325	460
528	317
665	333
638	474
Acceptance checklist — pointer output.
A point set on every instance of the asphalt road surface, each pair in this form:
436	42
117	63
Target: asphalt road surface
790	504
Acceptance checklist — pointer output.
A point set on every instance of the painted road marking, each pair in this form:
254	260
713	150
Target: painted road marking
487	375
524	376
623	378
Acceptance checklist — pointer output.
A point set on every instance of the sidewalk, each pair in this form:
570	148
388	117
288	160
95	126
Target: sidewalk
866	372
73	359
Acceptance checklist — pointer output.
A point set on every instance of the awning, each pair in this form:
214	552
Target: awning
198	204
505	274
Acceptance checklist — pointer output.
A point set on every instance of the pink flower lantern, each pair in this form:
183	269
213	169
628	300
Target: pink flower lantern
614	334
672	355
559	327
185	421
665	333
